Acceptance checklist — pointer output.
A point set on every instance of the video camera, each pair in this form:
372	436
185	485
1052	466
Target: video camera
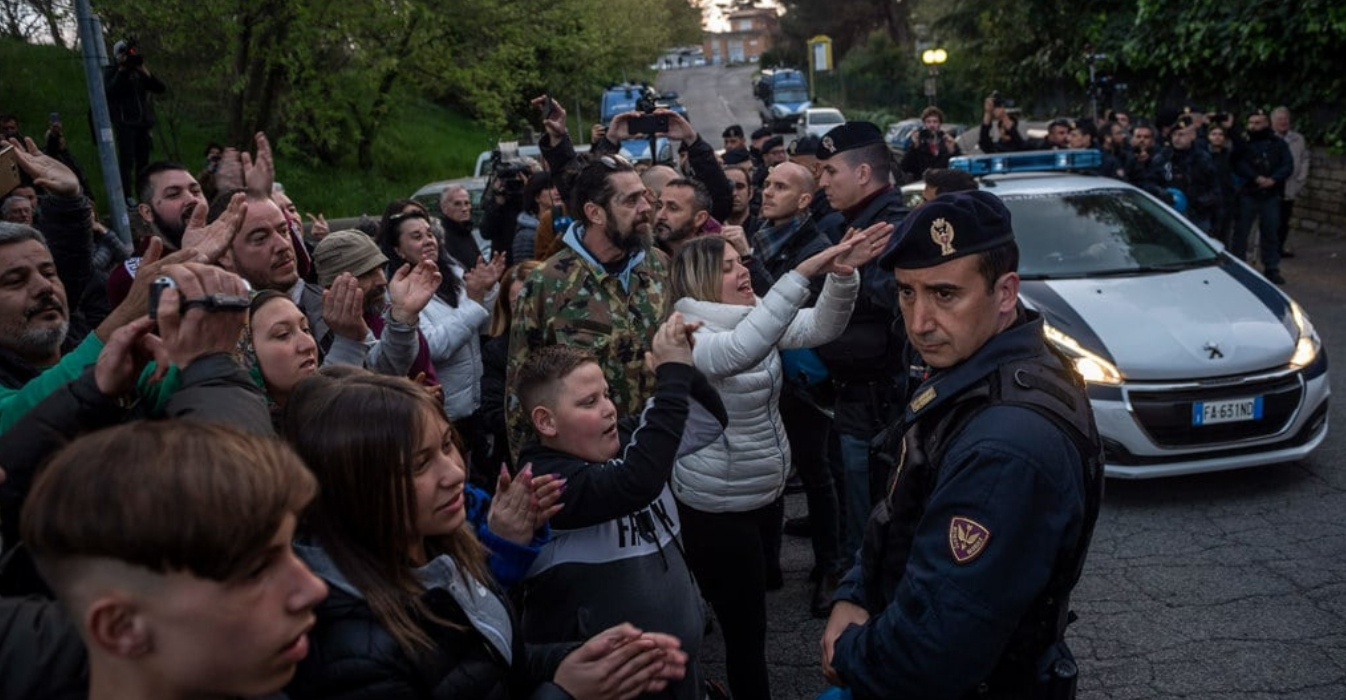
508	170
131	51
649	123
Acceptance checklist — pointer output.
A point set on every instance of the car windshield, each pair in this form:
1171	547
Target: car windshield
792	95
827	118
1101	233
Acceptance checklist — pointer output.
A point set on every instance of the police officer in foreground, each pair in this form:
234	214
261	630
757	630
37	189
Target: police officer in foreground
963	585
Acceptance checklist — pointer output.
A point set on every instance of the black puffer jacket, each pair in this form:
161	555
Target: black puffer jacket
353	657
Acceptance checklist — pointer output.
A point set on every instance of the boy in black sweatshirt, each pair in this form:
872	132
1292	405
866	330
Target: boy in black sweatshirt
615	555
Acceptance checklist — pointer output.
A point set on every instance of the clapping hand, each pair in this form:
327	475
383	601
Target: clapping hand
343	308
411	289
523	504
215	239
622	663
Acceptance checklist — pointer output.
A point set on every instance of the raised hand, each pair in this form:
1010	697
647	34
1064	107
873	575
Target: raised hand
259	173
123	358
870	242
678	126
827	260
343	308
672	342
556	123
48	173
479	280
137	300
319	229
411	289
523	504
618	130
190	325
735	236
215	239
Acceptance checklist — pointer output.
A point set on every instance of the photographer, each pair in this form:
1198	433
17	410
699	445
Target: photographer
929	147
500	211
129	84
1006	137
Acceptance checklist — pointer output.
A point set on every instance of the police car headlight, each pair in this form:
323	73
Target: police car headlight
1308	344
1089	366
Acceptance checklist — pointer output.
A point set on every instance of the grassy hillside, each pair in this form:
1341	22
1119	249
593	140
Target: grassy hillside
421	143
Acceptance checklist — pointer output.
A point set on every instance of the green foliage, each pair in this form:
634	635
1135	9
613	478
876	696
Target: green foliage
324	77
422	142
1237	55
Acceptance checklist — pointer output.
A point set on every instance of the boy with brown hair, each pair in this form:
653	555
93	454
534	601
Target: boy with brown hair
175	563
615	555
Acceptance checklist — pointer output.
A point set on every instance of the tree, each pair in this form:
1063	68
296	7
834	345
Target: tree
1242	54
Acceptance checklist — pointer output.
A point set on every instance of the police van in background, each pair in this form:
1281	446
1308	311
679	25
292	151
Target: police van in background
783	96
625	97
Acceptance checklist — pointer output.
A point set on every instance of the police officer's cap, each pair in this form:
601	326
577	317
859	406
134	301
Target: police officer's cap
946	228
772	143
734	156
848	136
761	133
733	131
805	146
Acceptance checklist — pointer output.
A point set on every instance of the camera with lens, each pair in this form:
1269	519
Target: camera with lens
928	136
511	174
131	50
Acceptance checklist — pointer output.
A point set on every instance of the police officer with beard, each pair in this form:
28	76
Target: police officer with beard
963	585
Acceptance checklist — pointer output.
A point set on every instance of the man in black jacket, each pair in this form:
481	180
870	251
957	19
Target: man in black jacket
129	85
1190	170
455	207
1264	163
856	178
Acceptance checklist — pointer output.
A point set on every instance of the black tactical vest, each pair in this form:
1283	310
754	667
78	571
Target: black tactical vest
914	457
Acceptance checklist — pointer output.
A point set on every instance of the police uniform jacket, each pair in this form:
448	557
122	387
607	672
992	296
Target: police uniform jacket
973	540
862	360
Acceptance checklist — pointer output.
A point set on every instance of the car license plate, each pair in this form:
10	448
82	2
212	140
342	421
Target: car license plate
1228	411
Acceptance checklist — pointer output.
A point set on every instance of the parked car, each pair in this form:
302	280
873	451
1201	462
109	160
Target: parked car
1194	362
898	133
818	121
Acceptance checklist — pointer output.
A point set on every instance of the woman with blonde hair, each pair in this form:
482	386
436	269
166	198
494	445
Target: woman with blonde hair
729	492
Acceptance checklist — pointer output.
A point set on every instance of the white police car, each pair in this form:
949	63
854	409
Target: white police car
1194	361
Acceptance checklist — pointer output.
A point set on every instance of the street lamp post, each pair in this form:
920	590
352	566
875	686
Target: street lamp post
933	59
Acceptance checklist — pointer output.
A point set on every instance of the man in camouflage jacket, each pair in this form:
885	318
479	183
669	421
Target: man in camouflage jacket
606	290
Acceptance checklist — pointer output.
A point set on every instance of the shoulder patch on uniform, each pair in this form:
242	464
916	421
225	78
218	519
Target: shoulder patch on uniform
923	399
967	539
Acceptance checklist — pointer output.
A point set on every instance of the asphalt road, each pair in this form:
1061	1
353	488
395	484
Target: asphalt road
715	98
1227	586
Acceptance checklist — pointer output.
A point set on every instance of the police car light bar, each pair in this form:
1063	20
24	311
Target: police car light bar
1029	161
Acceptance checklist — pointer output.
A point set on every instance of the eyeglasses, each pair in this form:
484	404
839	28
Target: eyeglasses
615	162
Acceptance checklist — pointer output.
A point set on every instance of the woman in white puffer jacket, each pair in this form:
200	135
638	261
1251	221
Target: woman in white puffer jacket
729	492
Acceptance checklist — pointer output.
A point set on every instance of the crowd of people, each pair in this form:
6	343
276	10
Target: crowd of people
1225	177
386	462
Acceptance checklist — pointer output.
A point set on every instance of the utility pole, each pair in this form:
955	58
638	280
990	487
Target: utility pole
91	48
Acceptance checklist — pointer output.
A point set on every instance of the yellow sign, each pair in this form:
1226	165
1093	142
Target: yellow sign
820	53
